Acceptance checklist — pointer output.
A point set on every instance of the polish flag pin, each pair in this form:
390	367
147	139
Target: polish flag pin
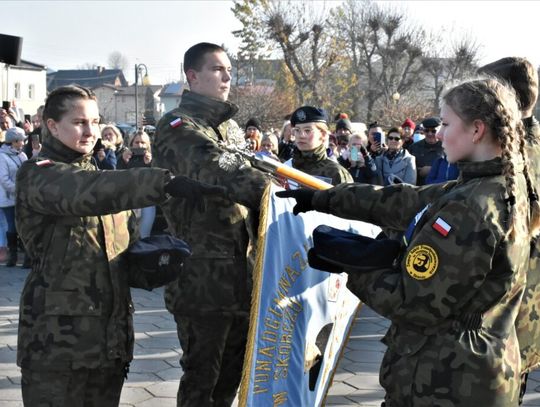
442	227
176	122
44	163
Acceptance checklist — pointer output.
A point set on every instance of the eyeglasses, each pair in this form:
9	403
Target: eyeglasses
394	138
434	131
308	131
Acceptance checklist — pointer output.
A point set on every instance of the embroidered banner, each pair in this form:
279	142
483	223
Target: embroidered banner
300	317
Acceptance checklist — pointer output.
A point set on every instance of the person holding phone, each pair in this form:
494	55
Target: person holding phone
376	139
360	163
395	165
139	155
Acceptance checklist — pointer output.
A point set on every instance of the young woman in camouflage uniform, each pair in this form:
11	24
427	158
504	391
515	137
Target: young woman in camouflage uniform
310	130
75	325
454	292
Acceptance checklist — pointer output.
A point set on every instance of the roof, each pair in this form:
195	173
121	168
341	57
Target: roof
90	78
27	65
172	89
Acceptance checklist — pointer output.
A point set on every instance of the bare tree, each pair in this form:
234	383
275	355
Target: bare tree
300	33
88	65
385	53
117	60
443	69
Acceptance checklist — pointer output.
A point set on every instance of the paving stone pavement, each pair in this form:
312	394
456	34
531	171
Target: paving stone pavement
155	370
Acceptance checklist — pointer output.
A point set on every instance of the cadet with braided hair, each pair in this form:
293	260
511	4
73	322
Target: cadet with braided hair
454	291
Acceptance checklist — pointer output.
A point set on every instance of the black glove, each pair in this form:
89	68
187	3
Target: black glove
187	188
363	151
303	199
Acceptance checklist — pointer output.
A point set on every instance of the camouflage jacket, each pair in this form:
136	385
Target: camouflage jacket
217	278
318	164
454	293
75	307
528	321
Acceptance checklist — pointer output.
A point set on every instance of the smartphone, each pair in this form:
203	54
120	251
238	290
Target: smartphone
27	118
6	105
354	153
378	137
138	151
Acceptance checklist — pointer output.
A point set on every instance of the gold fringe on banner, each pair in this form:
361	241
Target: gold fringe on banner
256	297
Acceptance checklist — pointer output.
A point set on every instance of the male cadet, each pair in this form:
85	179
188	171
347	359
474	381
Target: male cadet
211	299
522	76
427	150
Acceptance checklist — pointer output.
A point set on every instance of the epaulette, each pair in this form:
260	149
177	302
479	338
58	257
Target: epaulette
44	162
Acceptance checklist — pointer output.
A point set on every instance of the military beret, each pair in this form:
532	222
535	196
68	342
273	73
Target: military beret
344	124
308	114
431	122
335	250
253	122
153	254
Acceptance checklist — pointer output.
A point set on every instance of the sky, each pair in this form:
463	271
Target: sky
68	34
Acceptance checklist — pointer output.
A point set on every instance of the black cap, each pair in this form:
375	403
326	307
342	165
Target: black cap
308	114
344	124
335	249
253	122
431	122
159	257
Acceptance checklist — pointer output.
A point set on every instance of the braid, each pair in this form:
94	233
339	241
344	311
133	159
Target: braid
534	205
509	177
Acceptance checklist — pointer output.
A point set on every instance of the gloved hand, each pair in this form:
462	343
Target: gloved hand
303	199
187	188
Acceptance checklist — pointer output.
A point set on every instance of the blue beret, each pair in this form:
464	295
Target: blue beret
308	114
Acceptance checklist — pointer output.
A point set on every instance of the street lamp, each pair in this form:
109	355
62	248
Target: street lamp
145	81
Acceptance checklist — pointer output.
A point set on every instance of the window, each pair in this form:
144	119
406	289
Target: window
17	90
31	91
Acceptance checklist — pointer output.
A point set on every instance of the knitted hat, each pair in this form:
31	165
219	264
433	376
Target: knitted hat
408	123
14	134
253	122
344	124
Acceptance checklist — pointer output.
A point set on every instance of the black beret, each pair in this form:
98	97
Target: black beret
344	124
153	254
335	250
431	122
253	122
308	114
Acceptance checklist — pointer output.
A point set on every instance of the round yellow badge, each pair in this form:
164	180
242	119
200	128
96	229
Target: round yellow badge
421	262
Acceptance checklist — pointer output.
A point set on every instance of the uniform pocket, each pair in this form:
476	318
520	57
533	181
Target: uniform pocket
70	303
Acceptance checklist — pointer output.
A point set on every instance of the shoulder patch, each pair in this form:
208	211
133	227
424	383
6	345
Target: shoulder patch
422	262
44	163
176	122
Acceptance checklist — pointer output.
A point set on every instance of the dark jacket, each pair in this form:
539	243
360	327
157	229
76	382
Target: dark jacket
425	155
442	171
76	309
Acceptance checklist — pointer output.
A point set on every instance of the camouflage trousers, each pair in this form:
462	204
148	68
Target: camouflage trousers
74	388
213	354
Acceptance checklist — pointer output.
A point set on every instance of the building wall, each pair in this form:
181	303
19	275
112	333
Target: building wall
27	87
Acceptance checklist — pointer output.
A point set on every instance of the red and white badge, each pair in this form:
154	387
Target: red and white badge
442	227
176	122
